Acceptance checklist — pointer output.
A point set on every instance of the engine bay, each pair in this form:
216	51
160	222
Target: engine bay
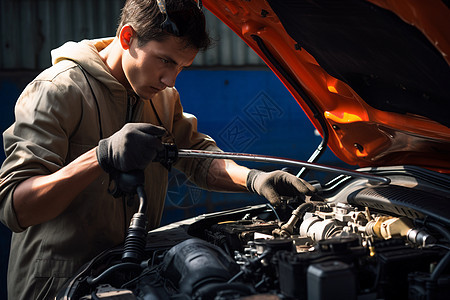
356	240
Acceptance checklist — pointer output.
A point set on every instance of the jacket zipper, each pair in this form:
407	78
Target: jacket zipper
130	105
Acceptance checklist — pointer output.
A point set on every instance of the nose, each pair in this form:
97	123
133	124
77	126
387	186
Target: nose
169	78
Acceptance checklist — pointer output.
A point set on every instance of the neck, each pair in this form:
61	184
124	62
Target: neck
112	57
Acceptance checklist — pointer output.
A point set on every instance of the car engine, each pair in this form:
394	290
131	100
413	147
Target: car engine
354	240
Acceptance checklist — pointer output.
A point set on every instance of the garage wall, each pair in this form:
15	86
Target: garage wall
31	28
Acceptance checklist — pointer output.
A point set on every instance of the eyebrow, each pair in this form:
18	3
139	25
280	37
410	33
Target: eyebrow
175	63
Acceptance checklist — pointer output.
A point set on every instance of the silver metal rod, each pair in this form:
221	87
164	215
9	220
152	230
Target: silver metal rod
281	161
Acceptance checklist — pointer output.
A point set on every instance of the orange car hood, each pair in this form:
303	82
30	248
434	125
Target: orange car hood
371	75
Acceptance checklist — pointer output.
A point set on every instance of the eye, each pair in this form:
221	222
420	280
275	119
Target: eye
164	61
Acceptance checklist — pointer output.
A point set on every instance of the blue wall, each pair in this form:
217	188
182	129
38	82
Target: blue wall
10	87
244	111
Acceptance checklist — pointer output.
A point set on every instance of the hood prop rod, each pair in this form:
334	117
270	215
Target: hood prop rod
301	91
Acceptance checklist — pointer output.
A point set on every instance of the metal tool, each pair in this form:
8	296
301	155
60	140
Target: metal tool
171	155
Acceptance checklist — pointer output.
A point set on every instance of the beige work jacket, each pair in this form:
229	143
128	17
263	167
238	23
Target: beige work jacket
58	119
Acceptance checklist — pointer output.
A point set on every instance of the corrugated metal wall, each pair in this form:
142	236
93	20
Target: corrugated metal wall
31	28
229	50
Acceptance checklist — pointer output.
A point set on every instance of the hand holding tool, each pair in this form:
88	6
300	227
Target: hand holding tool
273	185
131	148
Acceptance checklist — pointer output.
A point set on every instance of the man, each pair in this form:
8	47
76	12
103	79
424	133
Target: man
105	106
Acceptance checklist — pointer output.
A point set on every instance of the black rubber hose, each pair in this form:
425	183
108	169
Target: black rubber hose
442	265
134	247
110	270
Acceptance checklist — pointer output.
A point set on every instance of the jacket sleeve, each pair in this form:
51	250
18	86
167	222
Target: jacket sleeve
187	137
37	143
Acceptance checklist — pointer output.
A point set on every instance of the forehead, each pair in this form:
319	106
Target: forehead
173	48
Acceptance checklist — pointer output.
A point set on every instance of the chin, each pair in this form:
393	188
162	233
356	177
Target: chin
144	95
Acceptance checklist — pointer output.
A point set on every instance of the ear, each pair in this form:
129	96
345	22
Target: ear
125	36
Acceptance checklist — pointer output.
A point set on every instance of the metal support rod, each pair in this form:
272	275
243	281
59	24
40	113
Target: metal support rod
279	160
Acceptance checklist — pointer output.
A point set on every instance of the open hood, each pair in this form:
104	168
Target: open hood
372	76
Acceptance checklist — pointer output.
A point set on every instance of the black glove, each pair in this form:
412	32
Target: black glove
131	148
273	185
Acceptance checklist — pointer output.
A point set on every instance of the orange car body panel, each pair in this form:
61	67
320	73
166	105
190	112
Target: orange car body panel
358	133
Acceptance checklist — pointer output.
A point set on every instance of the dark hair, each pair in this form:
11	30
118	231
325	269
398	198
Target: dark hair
146	19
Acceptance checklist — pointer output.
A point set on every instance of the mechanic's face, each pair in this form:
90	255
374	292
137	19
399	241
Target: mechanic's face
155	65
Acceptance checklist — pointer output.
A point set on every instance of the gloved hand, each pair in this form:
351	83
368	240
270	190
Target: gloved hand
131	148
273	185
